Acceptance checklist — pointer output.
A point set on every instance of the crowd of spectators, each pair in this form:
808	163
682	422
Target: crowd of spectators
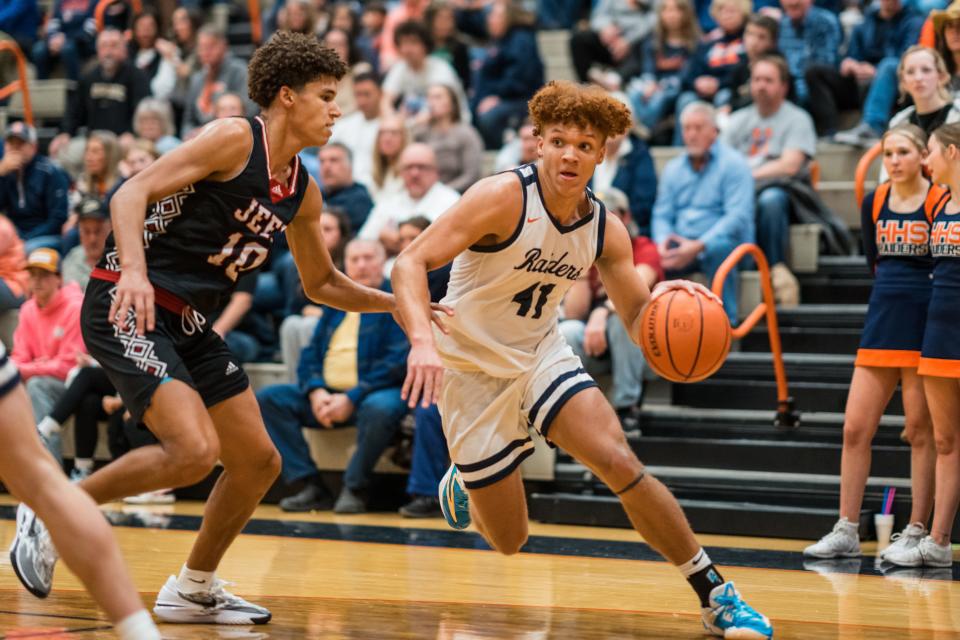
744	90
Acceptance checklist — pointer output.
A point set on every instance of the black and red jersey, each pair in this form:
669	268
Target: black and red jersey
199	240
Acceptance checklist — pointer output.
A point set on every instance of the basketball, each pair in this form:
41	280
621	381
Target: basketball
685	337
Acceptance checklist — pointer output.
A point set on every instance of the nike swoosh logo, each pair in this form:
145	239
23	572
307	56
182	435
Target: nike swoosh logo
533	219
197	581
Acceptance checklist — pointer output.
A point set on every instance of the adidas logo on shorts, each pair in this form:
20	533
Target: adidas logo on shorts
232	368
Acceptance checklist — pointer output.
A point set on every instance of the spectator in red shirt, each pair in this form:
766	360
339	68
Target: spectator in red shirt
47	341
597	335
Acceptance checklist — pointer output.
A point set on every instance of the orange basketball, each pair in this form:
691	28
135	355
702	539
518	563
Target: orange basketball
685	337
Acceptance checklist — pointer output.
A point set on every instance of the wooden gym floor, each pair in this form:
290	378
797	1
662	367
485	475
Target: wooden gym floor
380	577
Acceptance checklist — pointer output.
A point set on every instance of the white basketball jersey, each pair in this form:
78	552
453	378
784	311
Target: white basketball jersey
506	297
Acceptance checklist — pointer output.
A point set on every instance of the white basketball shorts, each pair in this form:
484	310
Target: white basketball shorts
486	419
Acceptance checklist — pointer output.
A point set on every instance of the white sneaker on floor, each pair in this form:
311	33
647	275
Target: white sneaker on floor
32	554
842	542
910	537
217	606
163	496
926	553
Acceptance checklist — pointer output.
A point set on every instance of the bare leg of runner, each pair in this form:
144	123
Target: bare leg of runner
78	529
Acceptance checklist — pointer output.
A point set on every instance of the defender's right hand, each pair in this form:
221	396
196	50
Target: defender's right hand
135	292
424	376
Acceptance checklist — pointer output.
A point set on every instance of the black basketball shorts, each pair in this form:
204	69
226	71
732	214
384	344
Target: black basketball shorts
181	347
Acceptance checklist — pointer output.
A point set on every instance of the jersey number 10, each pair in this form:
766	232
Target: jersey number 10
525	299
239	258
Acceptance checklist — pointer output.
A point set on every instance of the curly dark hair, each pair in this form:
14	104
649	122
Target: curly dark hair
561	102
291	60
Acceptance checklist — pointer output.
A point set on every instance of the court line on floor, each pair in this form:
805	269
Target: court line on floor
56	632
47	615
542	545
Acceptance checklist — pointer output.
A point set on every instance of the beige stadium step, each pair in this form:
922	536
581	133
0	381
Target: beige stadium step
838	195
554	44
47	97
262	374
555	51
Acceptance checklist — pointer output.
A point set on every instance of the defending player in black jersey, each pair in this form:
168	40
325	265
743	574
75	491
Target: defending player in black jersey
184	230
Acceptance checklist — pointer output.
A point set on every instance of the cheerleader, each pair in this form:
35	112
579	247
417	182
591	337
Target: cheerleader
940	354
896	230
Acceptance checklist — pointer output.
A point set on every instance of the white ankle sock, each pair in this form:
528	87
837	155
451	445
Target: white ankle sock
83	464
137	626
191	581
697	563
48	427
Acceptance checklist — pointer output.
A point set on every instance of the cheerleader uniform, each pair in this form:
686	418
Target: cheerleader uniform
940	354
898	251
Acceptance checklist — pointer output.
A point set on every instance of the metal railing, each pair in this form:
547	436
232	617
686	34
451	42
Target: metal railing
20	84
256	26
787	414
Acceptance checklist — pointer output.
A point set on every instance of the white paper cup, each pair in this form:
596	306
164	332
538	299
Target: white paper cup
884	526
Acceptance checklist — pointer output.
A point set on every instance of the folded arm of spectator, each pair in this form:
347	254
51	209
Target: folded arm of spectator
786	166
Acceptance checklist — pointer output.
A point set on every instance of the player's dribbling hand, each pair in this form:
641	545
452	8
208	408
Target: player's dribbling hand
134	292
424	376
687	285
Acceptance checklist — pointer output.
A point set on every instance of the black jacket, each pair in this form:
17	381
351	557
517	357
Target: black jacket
106	103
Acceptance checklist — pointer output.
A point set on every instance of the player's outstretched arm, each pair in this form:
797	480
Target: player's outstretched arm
218	153
322	282
486	214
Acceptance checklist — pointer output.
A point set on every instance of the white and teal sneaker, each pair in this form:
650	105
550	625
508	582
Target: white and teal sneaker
454	502
728	616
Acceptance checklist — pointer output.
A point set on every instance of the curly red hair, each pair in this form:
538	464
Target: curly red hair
561	102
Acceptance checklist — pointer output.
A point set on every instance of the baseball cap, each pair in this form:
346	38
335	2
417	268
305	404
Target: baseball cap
46	259
21	130
91	209
615	199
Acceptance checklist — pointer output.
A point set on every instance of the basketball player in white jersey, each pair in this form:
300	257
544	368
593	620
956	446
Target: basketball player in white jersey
77	527
519	240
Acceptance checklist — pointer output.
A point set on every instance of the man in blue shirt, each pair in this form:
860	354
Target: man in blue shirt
809	36
350	373
870	67
33	191
705	203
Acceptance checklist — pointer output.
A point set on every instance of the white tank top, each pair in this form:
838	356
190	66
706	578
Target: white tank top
506	297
